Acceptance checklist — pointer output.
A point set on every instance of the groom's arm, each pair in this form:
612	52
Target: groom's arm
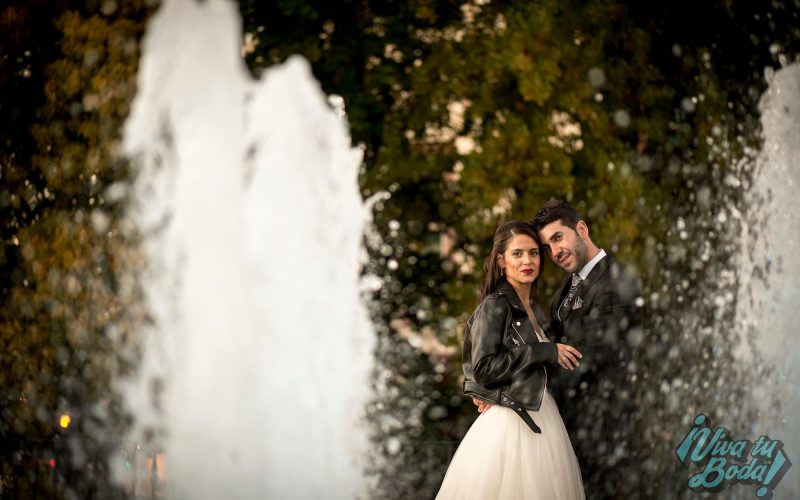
614	318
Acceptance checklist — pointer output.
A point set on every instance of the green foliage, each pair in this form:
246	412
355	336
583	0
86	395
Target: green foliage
69	288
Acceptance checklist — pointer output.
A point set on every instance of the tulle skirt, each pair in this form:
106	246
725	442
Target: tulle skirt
502	458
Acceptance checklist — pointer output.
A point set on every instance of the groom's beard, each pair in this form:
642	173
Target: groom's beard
579	256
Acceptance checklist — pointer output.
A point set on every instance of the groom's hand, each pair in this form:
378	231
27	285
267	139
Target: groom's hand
568	356
482	405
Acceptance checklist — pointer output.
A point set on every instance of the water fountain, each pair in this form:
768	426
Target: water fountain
248	198
769	290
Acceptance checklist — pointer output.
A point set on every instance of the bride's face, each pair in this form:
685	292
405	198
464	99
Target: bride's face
521	261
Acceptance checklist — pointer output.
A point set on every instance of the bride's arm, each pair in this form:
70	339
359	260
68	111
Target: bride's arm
493	363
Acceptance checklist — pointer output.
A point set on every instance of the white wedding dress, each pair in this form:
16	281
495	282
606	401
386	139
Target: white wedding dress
502	458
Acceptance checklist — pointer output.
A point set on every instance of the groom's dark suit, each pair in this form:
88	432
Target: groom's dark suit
603	322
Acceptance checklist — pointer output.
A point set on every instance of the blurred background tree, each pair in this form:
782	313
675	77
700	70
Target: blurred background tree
67	74
643	115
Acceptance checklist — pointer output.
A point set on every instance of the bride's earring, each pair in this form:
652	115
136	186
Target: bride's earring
502	272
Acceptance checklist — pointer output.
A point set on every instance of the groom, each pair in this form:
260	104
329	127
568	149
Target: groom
598	310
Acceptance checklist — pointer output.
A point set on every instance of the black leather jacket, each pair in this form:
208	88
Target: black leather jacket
502	355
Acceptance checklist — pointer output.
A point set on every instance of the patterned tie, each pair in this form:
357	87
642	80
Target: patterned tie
564	307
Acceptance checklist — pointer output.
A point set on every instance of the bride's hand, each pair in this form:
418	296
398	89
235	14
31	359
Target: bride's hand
482	405
568	356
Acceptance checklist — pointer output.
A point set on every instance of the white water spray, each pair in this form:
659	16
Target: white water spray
769	291
253	221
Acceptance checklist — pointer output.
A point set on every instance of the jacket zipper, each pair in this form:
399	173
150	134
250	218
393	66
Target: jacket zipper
518	335
545	385
543	368
541	397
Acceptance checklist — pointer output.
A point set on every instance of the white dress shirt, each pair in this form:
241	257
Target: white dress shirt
584	272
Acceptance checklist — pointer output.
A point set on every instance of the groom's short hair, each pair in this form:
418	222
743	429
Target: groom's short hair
555	210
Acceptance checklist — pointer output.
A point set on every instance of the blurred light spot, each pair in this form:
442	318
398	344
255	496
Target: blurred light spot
27	251
437	412
100	220
64	421
704	197
337	103
109	7
116	192
393	446
249	45
597	77
635	337
464	145
622	118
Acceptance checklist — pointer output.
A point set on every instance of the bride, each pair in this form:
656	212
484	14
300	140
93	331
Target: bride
518	447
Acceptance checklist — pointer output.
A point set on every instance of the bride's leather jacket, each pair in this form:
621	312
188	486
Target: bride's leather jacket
502	354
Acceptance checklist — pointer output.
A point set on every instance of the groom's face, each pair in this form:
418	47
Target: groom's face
566	247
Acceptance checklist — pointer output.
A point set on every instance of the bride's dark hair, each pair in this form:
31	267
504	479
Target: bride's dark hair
491	270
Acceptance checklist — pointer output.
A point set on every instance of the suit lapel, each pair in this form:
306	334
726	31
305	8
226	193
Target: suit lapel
586	285
594	276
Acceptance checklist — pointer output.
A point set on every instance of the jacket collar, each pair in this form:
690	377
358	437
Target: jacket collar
505	288
592	278
595	274
584	272
517	309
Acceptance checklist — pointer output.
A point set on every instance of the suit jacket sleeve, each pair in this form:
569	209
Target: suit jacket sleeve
493	362
613	313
